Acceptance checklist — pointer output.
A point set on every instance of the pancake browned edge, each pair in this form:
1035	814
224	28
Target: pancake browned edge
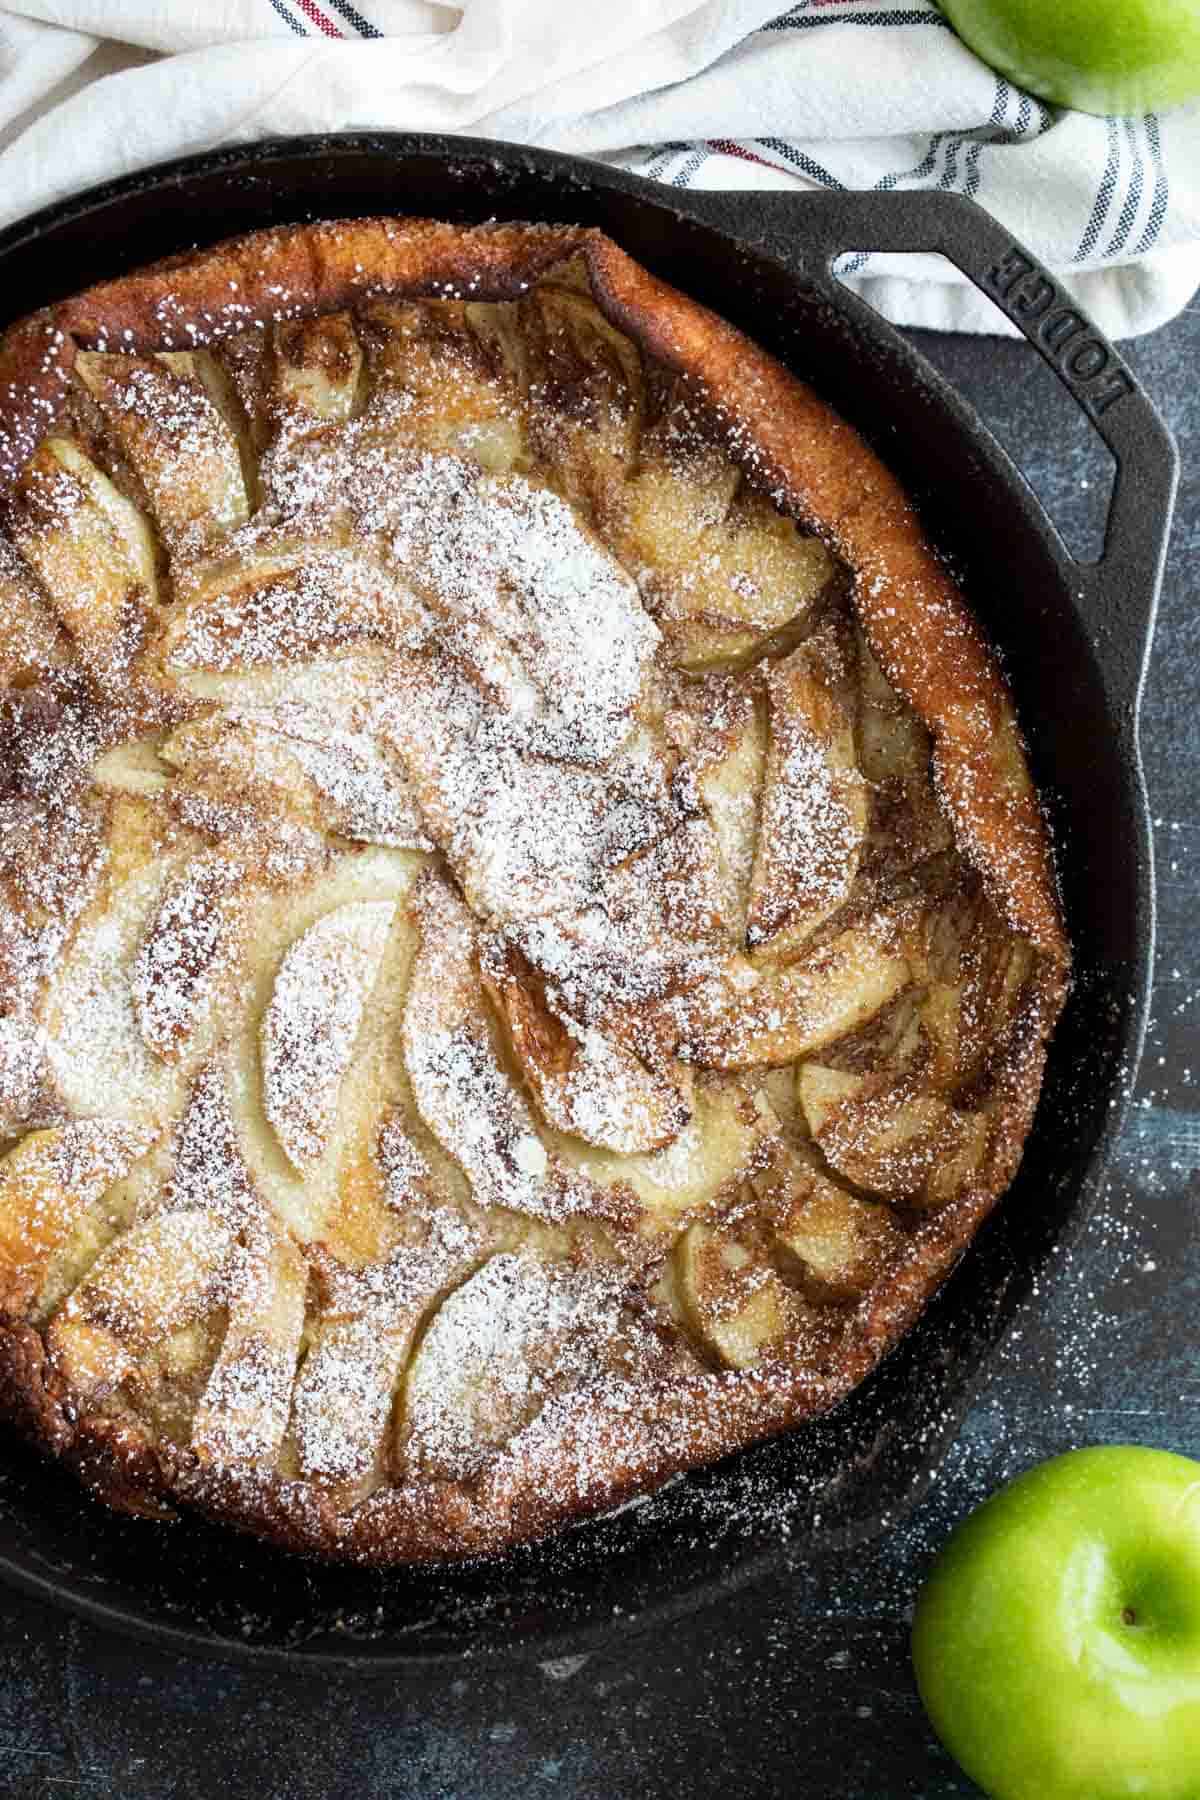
813	466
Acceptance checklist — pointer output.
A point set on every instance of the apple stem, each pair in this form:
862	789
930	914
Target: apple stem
1129	1617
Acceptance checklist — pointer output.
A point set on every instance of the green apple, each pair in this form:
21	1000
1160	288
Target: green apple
1057	1638
1102	56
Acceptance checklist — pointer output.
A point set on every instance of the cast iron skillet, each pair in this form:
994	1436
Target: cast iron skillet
1074	639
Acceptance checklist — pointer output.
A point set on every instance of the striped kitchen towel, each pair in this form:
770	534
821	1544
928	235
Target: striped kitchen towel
707	93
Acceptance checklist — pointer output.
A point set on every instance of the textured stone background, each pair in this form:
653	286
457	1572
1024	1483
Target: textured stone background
801	1687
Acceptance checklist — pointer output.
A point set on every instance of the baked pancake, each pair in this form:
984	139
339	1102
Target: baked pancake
528	940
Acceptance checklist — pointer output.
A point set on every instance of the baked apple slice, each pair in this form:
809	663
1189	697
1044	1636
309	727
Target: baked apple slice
890	1137
190	944
52	1188
833	1243
90	547
740	1310
726	577
347	1385
745	1017
311	1024
527	837
339	781
585	1082
814	804
729	778
492	1354
462	1090
286	603
344	1396
33	642
699	1168
155	1279
584	381
440	378
243	1413
529	599
177	423
95	1054
315	373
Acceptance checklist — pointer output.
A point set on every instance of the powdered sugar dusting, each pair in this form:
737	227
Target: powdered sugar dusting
188	946
344	1395
209	1172
291	610
495	1349
565	609
524	834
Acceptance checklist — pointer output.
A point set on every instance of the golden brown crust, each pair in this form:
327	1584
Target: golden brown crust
816	468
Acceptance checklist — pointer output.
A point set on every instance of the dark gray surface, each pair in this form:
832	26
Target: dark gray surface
802	1688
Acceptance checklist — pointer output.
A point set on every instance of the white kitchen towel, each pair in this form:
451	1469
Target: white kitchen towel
705	93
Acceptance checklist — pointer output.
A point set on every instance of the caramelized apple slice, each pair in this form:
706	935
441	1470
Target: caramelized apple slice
525	836
91	548
287	604
679	891
726	576
740	1311
311	1025
584	1082
708	1157
156	1278
462	1090
341	779
893	743
489	1357
95	1053
51	1188
821	1091
33	642
243	1414
536	604
835	1244
320	732
585	387
746	1018
440	379
175	419
344	1397
315	372
345	1392
189	945
841	1244
909	826
976	971
889	1137
389	1193
814	804
730	781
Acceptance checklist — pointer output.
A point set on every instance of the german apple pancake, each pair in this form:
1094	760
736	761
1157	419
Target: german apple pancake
528	940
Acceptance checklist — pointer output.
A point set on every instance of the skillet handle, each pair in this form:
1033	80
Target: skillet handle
806	232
